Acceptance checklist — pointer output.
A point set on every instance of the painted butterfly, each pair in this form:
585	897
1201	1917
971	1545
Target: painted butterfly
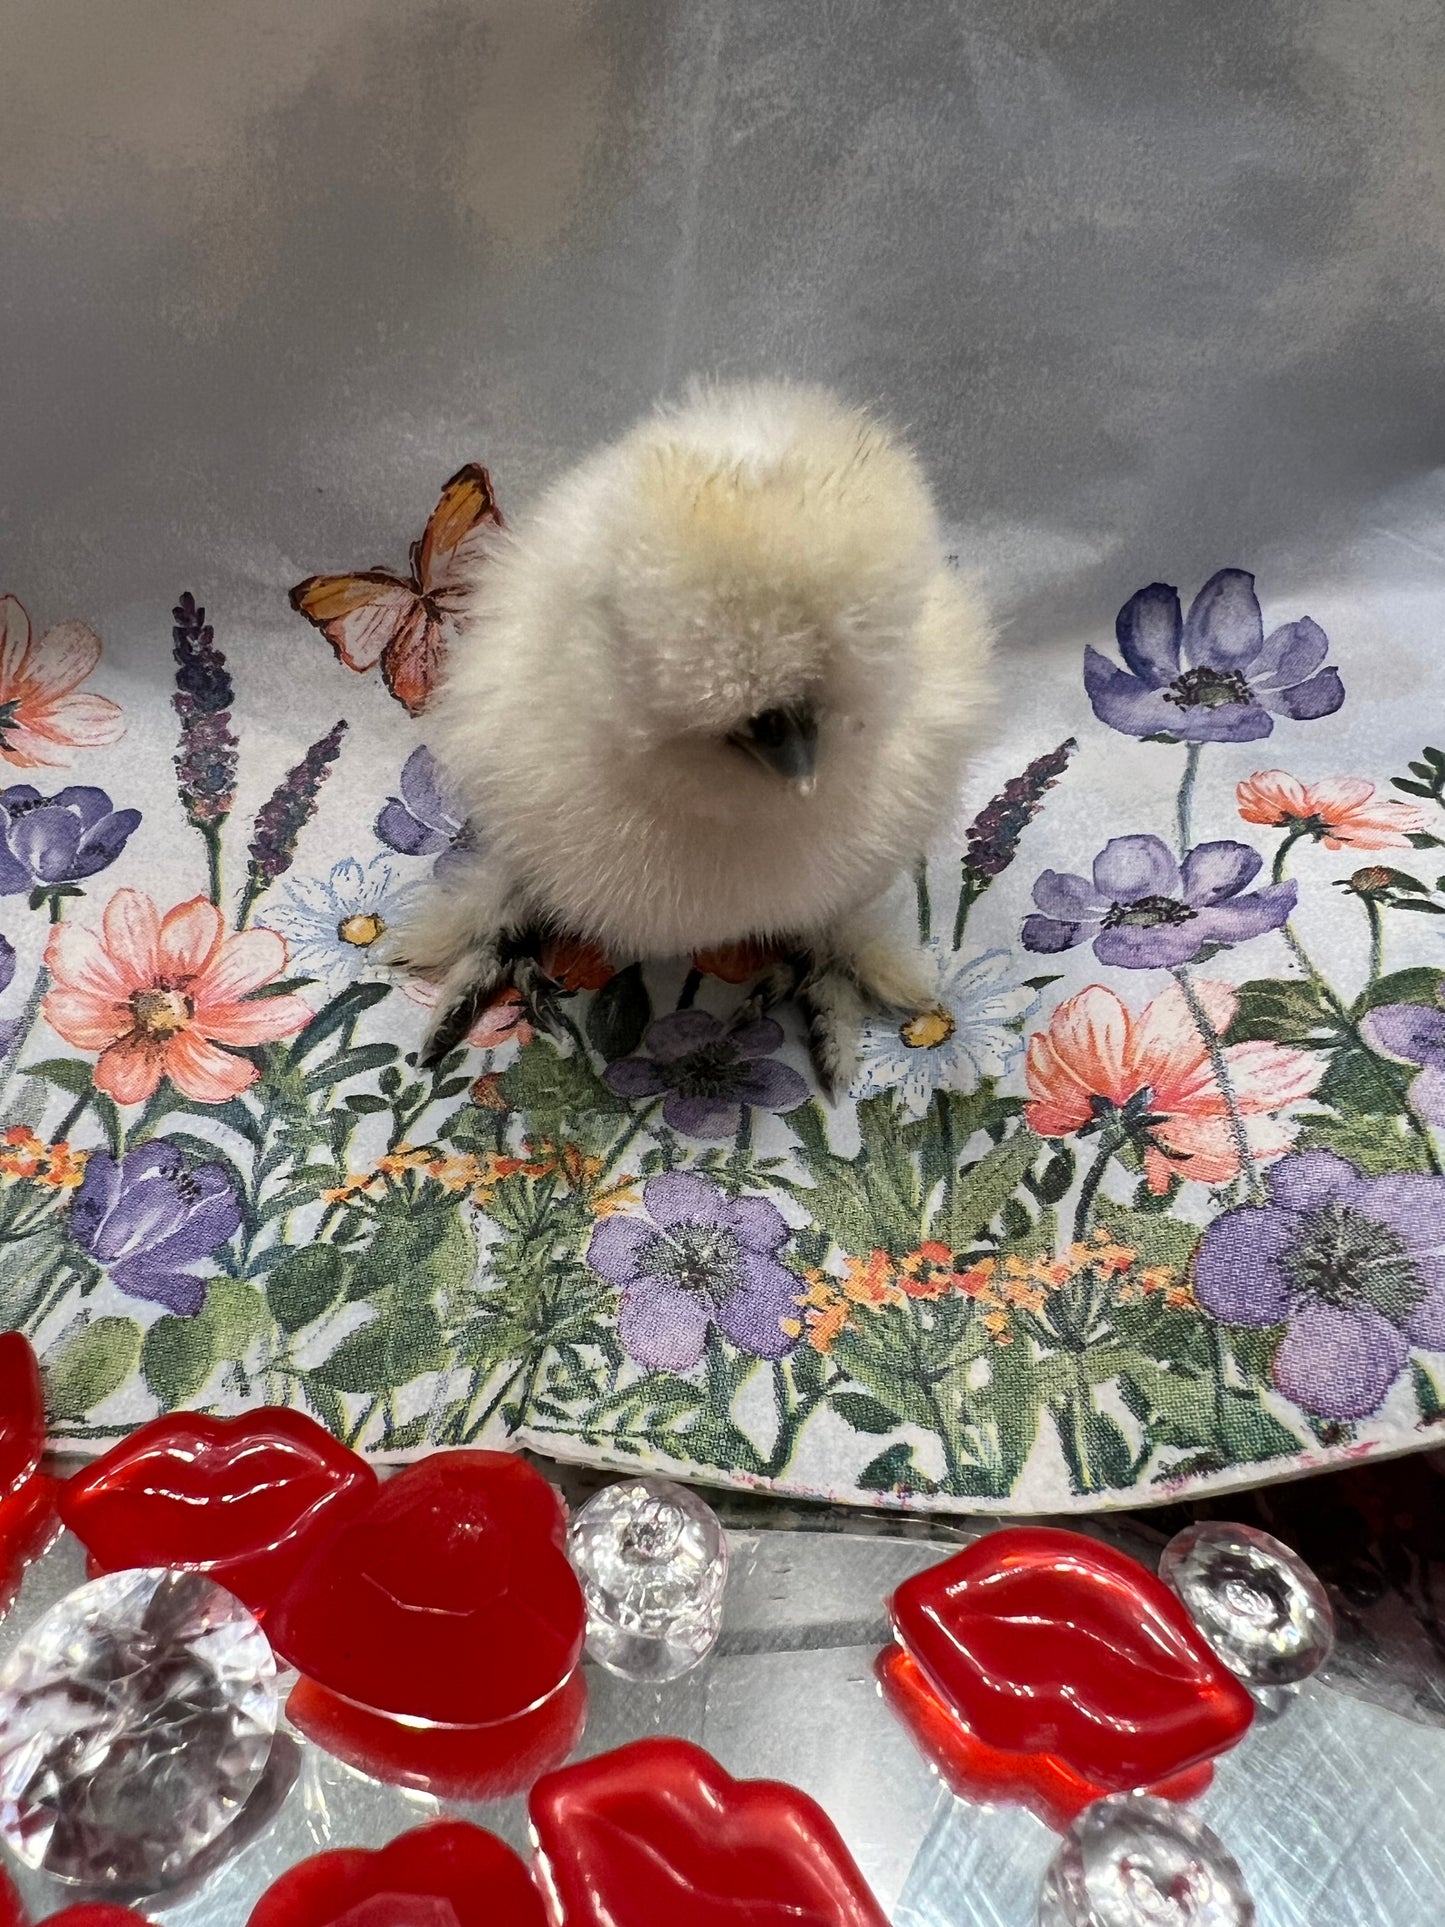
406	623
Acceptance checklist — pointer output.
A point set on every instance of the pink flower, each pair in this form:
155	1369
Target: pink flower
156	994
502	1021
42	715
1095	1049
1337	813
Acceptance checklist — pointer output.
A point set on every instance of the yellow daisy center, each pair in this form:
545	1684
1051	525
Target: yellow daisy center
161	1013
362	930
928	1031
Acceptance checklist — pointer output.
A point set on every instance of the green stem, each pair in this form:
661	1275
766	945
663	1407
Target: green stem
968	895
10	1057
691	985
255	885
1377	938
1089	1189
1185	801
1209	1036
211	837
68	1123
925	905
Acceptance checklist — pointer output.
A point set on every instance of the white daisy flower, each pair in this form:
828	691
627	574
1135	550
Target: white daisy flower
331	924
970	1034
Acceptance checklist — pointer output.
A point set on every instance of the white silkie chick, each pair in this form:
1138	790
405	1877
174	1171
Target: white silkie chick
718	685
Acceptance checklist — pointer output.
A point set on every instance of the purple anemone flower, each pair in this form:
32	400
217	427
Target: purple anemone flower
1413	1034
698	1258
709	1072
1144	911
425	820
1214	677
147	1220
47	841
1353	1267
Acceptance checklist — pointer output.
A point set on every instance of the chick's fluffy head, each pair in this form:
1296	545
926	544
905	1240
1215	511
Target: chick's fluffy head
767	548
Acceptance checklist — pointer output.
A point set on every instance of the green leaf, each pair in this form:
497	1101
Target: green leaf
894	1471
1250	1434
1423	840
863	1413
1054	1180
386	1354
177	1357
1412	789
1427	1394
88	1368
69	1073
619	1014
1425	908
364	1104
981	1196
236	1314
553	1090
1282	1011
346	1064
1420	985
285	988
351	1002
1359	1081
306	1283
1377	1145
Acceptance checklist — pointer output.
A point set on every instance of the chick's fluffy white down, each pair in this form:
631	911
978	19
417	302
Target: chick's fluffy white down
755	547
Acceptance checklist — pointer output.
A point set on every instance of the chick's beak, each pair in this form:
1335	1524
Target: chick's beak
784	741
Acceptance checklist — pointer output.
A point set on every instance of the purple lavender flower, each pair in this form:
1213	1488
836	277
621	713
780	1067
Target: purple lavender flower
1353	1267
425	819
1144	911
148	1220
993	835
206	761
1413	1034
48	841
281	819
1215	677
698	1258
709	1072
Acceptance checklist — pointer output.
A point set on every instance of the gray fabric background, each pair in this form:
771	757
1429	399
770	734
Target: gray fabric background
1157	284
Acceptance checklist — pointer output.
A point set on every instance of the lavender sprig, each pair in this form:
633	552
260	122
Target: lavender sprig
206	760
993	835
281	819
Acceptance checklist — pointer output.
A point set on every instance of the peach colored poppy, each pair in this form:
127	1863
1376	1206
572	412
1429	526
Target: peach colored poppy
1095	1048
502	1021
156	995
1340	812
43	714
576	965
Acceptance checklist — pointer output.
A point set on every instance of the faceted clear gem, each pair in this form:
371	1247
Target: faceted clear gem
653	1563
136	1718
1133	1861
1259	1605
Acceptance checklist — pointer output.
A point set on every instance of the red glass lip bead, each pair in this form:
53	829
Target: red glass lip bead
1045	1642
448	1874
657	1831
449	1600
1048	1787
244	1500
95	1913
22	1412
28	1524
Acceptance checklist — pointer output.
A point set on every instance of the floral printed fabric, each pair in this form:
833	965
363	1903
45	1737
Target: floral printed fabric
1150	1200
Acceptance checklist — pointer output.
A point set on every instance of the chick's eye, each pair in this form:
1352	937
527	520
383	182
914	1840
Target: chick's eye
771	727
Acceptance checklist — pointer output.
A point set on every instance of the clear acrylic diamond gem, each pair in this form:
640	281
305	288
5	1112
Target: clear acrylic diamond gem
1256	1602
653	1561
136	1718
1134	1861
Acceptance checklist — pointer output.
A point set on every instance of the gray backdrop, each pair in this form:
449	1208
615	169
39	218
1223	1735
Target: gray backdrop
1157	282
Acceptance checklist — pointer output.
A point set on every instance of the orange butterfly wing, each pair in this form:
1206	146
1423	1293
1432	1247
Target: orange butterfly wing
361	616
461	526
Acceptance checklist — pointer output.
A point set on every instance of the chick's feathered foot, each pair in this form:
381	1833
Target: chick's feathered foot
835	987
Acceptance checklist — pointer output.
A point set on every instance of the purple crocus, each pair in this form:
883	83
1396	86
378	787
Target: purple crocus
425	820
48	841
1145	911
698	1258
148	1220
1353	1267
1214	677
709	1071
1413	1034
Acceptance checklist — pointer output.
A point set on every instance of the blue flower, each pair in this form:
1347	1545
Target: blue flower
425	820
1144	911
47	841
331	926
1215	678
